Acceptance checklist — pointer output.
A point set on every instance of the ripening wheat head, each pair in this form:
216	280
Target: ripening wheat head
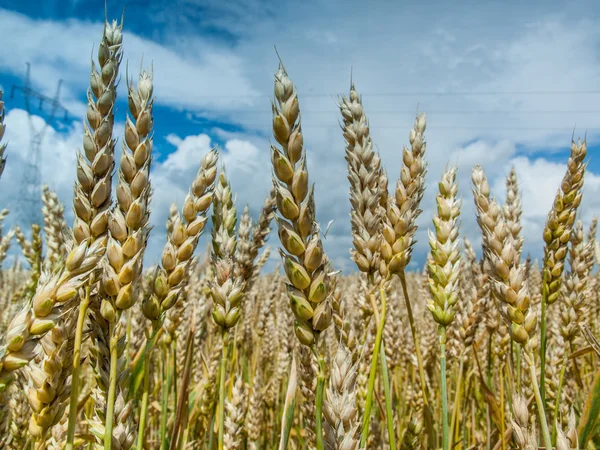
444	259
508	282
182	240
227	289
92	195
364	170
303	260
561	218
403	208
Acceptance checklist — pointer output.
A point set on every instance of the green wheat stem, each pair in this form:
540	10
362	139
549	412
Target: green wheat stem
319	402
373	372
222	390
561	380
443	388
164	406
540	404
413	330
112	388
543	341
76	371
145	396
388	398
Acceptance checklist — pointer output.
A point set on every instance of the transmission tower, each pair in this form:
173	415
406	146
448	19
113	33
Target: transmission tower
30	202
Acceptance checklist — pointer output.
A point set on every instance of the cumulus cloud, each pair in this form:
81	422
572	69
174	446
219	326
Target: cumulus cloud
171	179
57	157
539	180
207	77
500	90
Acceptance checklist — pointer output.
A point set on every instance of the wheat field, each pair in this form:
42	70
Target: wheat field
204	350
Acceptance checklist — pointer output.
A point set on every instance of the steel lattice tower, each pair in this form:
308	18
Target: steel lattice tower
30	204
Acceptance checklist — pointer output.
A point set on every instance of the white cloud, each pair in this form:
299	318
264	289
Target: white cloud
57	158
410	53
170	179
203	77
187	150
539	181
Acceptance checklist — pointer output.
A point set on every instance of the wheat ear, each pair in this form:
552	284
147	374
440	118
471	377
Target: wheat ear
92	194
304	261
365	193
340	409
226	289
236	413
508	282
53	297
557	233
251	238
128	233
403	209
512	210
443	273
55	228
186	229
49	385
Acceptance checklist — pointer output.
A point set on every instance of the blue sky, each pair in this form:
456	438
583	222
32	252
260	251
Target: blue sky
503	84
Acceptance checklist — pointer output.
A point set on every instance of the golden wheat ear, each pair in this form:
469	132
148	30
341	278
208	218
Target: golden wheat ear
252	238
55	229
403	208
309	283
227	289
183	233
508	282
364	171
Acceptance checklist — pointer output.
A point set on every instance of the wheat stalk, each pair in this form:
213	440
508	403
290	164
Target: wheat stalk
304	261
365	193
340	406
92	194
557	233
55	228
226	386
444	269
399	228
128	233
508	282
182	240
226	289
365	174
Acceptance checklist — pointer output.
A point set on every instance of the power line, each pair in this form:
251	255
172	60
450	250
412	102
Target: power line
429	111
30	203
308	125
458	128
420	94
